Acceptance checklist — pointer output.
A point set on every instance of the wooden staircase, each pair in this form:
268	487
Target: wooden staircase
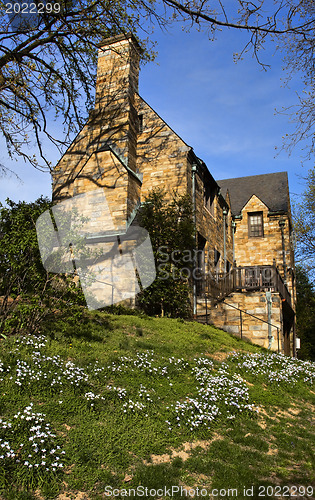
212	289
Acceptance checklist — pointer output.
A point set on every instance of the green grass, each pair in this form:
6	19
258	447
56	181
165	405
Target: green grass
113	390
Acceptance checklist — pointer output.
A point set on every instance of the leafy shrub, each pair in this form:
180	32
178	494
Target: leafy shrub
27	291
171	229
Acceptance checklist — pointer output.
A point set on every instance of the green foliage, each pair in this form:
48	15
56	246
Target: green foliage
304	224
121	309
28	292
21	272
109	409
158	476
305	234
20	264
30	451
171	229
305	314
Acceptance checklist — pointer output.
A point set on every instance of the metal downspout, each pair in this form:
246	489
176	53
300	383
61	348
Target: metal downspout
233	239
294	340
269	305
224	238
193	179
282	224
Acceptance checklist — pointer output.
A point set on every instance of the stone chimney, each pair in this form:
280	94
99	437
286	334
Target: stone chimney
103	155
116	84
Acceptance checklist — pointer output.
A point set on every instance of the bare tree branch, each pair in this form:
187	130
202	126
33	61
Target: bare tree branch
49	68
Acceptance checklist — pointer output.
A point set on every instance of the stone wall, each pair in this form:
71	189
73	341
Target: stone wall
163	159
227	318
161	154
255	251
211	227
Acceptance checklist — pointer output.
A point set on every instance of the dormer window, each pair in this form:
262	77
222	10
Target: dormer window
255	225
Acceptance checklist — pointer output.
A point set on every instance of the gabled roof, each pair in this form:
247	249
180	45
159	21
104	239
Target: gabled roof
271	189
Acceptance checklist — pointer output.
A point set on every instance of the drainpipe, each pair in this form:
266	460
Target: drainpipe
294	340
233	238
282	224
193	179
269	305
224	238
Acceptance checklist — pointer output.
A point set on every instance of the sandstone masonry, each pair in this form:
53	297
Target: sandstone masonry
243	225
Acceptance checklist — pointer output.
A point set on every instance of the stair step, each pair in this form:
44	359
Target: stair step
202	318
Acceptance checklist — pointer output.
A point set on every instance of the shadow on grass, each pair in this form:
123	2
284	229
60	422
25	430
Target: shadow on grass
78	323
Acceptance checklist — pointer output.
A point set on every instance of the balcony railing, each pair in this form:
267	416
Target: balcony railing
245	278
215	286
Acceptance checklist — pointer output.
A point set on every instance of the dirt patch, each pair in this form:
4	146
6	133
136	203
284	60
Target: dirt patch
38	495
68	470
202	444
262	423
184	452
290	413
79	495
262	411
159	459
309	406
190	491
272	451
219	356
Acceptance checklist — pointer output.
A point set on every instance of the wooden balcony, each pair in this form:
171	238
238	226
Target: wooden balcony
242	279
261	278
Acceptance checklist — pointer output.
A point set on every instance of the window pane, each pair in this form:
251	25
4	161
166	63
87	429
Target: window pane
255	224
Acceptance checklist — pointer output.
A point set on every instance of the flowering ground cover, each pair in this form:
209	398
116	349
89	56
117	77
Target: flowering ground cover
117	401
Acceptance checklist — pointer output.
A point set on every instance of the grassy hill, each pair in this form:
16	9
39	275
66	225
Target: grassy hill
99	405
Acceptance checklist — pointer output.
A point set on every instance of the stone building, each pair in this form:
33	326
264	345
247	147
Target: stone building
264	277
244	233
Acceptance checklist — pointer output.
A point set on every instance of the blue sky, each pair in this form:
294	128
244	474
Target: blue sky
225	111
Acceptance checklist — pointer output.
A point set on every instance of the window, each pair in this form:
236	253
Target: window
255	224
209	196
201	261
140	123
216	259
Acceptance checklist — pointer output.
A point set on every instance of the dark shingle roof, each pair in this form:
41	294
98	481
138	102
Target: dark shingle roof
272	189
